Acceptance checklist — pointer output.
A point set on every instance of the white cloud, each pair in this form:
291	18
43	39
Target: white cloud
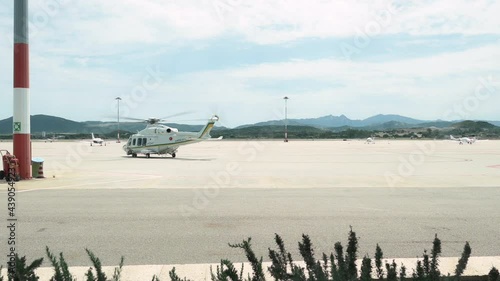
103	27
461	63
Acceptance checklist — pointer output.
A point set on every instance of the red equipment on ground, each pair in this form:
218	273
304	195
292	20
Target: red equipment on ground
10	166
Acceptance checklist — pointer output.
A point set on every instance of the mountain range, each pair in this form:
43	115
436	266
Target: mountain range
53	124
377	122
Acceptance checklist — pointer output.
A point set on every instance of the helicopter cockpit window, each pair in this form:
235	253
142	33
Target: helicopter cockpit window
144	140
139	142
133	143
129	142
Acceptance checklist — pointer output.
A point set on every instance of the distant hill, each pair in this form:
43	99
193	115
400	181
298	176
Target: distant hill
40	123
294	132
479	125
331	121
469	125
381	118
434	124
273	132
271	123
389	125
377	122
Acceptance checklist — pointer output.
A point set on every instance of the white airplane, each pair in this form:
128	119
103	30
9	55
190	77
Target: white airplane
54	138
97	140
157	138
370	140
463	140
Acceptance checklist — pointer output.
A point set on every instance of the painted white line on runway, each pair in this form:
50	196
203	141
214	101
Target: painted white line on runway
91	183
201	272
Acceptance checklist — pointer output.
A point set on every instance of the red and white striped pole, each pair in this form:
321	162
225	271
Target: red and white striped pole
21	116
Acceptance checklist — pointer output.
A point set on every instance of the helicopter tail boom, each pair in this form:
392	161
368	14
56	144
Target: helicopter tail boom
204	133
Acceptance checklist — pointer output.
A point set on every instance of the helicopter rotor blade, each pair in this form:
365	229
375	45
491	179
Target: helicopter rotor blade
175	115
193	120
147	120
133	119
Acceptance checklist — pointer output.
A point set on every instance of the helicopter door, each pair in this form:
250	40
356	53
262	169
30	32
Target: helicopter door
152	140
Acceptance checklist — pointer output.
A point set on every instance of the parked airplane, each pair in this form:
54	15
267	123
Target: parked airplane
97	140
463	140
54	138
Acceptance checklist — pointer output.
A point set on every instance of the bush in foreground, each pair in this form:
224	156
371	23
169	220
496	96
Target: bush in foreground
337	266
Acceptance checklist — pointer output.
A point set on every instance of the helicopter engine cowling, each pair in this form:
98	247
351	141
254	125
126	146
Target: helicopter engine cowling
171	130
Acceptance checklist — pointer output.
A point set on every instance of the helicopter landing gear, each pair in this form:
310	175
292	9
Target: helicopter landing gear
173	155
147	155
134	155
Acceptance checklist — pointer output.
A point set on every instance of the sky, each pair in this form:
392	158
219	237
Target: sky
239	58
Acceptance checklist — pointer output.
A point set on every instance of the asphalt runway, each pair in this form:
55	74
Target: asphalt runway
185	210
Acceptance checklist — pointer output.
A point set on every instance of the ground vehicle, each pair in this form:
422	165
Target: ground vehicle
10	166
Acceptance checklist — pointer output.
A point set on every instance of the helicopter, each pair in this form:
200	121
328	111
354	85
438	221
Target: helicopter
157	138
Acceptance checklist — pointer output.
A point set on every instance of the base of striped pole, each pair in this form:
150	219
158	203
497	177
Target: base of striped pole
22	151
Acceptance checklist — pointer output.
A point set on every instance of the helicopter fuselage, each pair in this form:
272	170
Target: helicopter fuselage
161	139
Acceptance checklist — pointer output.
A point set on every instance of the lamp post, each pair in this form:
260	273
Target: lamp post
286	119
118	99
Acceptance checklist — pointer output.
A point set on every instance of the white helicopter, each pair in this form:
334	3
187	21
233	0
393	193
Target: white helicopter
157	138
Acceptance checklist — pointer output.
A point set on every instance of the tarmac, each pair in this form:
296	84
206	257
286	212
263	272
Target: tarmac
184	210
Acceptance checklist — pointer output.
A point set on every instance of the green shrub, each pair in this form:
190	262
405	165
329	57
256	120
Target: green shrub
402	272
351	256
100	275
252	259
379	255
26	272
462	262
61	270
493	274
173	276
366	269
434	272
392	271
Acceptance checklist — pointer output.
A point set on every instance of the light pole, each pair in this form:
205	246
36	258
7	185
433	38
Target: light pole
286	120
118	99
